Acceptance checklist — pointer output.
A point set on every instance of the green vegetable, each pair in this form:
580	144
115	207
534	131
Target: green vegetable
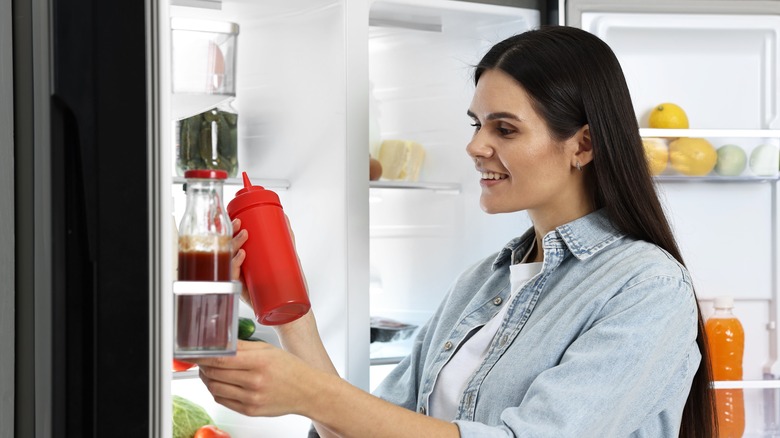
188	417
208	140
246	327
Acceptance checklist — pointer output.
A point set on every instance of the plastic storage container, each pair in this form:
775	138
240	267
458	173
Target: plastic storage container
203	64
204	85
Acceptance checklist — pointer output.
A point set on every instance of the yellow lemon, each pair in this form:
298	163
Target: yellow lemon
692	156
657	154
668	116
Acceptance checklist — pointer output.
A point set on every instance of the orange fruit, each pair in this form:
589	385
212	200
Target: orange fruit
657	154
668	116
692	156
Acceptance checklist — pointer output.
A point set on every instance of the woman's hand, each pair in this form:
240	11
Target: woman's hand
239	255
261	380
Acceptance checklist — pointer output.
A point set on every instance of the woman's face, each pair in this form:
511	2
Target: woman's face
521	167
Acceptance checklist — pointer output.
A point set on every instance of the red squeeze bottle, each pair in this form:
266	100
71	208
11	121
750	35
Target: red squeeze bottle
271	269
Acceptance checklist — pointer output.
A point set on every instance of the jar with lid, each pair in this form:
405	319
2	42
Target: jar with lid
206	300
208	140
203	55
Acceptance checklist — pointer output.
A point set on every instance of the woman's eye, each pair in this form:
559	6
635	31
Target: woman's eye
504	131
476	126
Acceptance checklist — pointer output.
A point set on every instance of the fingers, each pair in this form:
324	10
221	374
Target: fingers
244	359
252	382
235	264
236	224
230	393
289	228
239	239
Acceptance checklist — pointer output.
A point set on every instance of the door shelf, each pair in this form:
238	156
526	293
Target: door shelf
278	184
192	373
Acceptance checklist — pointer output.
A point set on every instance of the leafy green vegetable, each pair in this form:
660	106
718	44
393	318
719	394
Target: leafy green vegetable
208	140
188	417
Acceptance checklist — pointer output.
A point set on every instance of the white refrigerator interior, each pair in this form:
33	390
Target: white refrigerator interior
320	84
424	233
722	68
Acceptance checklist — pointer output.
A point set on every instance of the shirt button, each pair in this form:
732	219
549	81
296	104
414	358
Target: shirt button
422	410
447	345
497	301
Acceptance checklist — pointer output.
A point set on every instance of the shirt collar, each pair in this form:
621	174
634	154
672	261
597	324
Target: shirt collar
583	237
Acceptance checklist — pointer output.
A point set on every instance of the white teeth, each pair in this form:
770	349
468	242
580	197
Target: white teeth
493	175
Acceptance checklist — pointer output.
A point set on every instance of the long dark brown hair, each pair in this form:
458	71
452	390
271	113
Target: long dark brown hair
575	79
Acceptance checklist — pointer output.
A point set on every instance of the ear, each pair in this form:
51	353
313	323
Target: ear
584	147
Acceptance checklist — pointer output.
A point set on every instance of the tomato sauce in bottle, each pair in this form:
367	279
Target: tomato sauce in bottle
204	321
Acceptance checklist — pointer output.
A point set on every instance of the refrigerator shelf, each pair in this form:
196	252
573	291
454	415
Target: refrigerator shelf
710	133
716	179
440	187
746	384
278	184
387	360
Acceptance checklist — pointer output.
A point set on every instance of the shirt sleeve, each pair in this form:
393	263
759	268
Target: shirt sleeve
638	354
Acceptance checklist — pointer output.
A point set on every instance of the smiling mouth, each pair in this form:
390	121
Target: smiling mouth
494	176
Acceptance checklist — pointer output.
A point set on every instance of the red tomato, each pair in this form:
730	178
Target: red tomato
180	365
211	431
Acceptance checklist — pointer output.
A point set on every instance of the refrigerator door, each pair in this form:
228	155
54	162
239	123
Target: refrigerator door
720	61
85	262
301	96
7	244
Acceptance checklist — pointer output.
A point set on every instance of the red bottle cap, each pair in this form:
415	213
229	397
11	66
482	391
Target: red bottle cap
250	196
205	174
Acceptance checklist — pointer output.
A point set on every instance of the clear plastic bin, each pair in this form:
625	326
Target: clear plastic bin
205	318
203	64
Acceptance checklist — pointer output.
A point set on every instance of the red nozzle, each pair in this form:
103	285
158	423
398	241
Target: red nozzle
247	183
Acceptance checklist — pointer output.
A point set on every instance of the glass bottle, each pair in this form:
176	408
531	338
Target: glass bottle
206	299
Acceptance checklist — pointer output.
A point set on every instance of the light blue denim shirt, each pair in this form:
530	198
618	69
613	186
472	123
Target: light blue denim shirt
601	343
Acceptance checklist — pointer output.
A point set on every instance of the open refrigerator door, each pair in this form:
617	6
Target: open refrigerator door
296	89
719	61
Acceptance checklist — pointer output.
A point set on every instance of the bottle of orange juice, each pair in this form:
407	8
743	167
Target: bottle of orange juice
726	340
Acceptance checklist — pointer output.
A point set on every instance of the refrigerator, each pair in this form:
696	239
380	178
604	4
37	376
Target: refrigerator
319	85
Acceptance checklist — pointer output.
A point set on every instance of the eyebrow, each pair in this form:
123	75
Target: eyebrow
495	116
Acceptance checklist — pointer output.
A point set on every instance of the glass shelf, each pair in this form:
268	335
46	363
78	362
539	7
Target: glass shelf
746	384
711	133
453	188
715	178
278	184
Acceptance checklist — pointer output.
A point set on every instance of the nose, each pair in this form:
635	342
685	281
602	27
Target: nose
478	147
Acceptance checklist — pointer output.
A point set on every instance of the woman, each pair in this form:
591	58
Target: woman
586	325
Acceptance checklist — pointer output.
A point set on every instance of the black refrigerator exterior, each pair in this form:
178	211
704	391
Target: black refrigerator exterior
83	255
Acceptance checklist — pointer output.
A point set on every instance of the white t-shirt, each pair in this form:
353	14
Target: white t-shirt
452	379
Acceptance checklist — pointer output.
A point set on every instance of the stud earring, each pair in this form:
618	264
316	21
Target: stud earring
579	167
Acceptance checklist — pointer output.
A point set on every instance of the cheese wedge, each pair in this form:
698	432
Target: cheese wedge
401	159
